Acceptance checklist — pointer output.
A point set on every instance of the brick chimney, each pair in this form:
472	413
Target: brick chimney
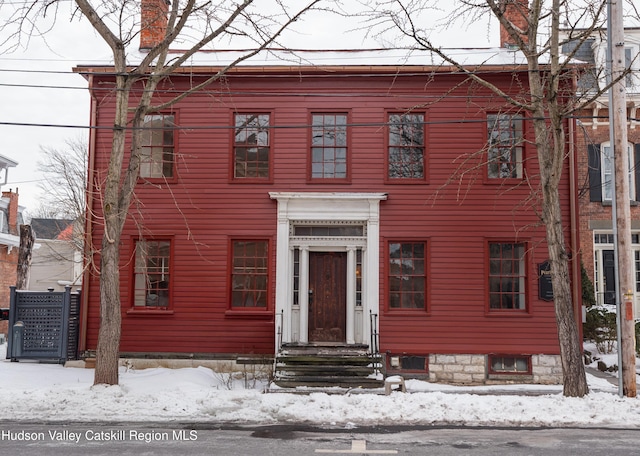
516	12
153	22
13	211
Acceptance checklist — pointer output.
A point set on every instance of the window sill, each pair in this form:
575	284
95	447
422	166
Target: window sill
523	377
609	203
157	181
507	313
405	181
251	180
406	312
144	311
329	180
503	180
258	314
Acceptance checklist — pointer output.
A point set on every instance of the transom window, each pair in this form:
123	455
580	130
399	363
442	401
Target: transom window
328	230
406	146
329	146
251	146
407	275
157	146
505	142
152	273
249	273
506	276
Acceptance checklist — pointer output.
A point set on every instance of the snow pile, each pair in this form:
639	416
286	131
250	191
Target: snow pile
45	392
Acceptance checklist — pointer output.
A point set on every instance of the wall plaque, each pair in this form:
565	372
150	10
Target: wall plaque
545	287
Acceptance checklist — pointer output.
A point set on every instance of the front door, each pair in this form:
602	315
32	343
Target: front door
327	296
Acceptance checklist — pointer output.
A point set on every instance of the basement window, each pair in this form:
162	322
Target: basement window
407	363
510	364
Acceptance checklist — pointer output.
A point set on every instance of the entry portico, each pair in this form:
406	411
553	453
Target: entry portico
327	266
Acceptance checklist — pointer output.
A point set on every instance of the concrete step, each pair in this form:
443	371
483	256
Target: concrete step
325	382
326	366
304	369
311	360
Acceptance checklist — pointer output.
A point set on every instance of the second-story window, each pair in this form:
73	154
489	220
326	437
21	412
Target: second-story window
328	146
607	172
157	146
251	147
504	145
601	174
406	146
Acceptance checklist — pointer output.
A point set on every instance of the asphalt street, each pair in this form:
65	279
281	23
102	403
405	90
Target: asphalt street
142	439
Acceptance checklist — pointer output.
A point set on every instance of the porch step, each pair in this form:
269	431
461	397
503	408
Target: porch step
346	366
327	382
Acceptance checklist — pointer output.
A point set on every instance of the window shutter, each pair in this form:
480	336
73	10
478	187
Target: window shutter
636	169
595	176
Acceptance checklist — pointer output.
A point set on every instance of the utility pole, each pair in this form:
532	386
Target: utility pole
622	204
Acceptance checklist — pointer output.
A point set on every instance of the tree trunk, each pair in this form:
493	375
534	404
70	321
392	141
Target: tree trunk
115	208
573	373
24	256
550	143
108	348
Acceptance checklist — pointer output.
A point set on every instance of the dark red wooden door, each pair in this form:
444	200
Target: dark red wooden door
327	296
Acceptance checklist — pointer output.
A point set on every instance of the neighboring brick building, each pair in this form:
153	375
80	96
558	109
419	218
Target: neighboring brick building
10	219
595	166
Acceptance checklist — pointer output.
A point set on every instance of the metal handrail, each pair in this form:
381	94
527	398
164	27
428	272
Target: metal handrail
279	331
375	340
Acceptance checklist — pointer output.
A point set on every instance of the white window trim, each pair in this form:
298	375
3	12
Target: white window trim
606	171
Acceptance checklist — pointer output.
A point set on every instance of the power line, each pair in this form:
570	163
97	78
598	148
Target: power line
273	127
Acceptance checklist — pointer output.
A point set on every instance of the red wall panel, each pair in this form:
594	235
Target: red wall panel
203	207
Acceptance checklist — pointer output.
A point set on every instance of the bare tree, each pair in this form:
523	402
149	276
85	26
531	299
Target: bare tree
65	179
536	35
64	187
194	25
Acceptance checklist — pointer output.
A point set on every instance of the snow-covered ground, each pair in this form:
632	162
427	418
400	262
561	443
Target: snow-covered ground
48	392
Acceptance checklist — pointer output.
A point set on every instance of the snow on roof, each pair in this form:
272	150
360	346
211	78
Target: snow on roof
396	57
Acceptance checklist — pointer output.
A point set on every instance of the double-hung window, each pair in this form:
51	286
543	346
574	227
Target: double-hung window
407	275
504	146
157	147
251	146
507	276
249	274
607	175
406	147
152	273
328	146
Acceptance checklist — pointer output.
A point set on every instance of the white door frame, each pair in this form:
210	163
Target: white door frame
327	207
598	279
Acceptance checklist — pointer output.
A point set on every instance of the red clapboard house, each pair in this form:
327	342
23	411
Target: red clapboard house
339	209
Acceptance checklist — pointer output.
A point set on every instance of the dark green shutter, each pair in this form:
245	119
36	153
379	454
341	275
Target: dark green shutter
595	174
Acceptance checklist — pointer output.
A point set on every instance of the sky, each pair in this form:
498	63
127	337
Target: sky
53	393
45	104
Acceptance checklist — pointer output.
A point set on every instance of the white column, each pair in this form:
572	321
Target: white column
283	274
371	265
351	294
303	299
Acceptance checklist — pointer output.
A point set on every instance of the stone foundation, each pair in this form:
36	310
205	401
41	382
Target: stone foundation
462	369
